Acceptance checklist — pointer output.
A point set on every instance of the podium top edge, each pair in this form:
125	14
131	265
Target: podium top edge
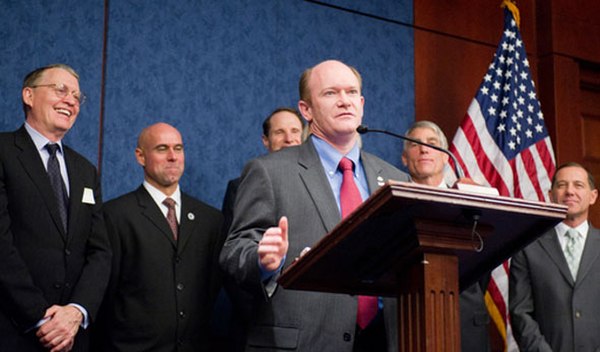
399	188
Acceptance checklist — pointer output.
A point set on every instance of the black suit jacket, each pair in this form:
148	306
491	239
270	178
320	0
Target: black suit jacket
292	182
161	291
41	264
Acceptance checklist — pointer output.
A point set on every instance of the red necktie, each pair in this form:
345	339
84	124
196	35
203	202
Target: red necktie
171	216
350	199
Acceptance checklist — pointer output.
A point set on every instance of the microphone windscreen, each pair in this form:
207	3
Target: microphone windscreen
362	129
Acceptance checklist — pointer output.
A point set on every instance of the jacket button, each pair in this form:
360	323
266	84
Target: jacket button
182	314
67	251
577	314
57	286
347	337
180	287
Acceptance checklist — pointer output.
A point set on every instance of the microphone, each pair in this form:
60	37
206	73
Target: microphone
362	129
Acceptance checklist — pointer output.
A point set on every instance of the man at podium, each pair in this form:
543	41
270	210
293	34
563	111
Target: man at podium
288	201
426	166
555	281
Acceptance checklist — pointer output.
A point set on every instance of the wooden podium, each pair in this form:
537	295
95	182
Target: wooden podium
420	244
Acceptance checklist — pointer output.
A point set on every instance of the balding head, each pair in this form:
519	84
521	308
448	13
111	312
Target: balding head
160	153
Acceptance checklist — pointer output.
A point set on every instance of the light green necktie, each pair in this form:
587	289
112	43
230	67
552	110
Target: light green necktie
573	250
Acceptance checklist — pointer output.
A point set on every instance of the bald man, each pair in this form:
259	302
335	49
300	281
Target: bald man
164	273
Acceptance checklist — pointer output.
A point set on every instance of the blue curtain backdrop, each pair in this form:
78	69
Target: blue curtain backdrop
213	69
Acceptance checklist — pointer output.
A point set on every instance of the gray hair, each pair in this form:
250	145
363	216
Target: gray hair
430	125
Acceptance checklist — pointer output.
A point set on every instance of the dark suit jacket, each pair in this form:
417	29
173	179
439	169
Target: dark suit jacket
549	311
41	264
292	182
229	203
161	291
474	318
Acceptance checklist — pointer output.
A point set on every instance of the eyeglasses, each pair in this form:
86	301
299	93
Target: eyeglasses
62	91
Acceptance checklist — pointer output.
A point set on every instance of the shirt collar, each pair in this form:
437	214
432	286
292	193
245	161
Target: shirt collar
330	157
562	228
159	196
39	140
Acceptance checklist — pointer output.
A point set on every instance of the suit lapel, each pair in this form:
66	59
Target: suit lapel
317	185
34	167
550	244
188	222
75	189
151	211
591	252
373	173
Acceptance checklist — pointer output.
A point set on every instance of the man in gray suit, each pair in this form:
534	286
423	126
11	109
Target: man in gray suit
426	166
288	201
555	281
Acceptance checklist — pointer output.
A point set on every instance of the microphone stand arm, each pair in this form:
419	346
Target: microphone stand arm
457	169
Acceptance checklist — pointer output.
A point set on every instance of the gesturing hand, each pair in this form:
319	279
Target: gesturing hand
273	246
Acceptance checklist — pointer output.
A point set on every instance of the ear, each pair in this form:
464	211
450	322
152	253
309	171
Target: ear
265	141
593	196
404	160
305	110
445	158
139	156
27	96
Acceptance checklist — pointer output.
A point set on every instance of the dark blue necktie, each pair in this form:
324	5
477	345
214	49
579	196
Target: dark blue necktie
58	184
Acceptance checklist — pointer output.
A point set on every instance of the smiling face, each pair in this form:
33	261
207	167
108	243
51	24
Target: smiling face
425	165
285	131
335	107
160	152
49	114
571	187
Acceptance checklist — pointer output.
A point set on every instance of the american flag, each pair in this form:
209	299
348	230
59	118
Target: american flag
503	142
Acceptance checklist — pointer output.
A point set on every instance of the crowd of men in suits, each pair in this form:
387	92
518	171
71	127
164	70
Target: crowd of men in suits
142	271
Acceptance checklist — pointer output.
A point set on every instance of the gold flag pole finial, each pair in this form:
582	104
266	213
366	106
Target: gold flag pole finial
512	7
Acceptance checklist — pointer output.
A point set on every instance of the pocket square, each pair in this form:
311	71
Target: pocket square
88	196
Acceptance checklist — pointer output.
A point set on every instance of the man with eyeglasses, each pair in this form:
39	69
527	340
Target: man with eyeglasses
54	251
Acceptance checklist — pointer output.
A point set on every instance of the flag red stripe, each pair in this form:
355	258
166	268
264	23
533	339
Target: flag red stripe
485	165
546	155
531	170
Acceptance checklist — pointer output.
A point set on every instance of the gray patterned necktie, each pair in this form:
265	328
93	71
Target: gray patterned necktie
573	250
58	184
